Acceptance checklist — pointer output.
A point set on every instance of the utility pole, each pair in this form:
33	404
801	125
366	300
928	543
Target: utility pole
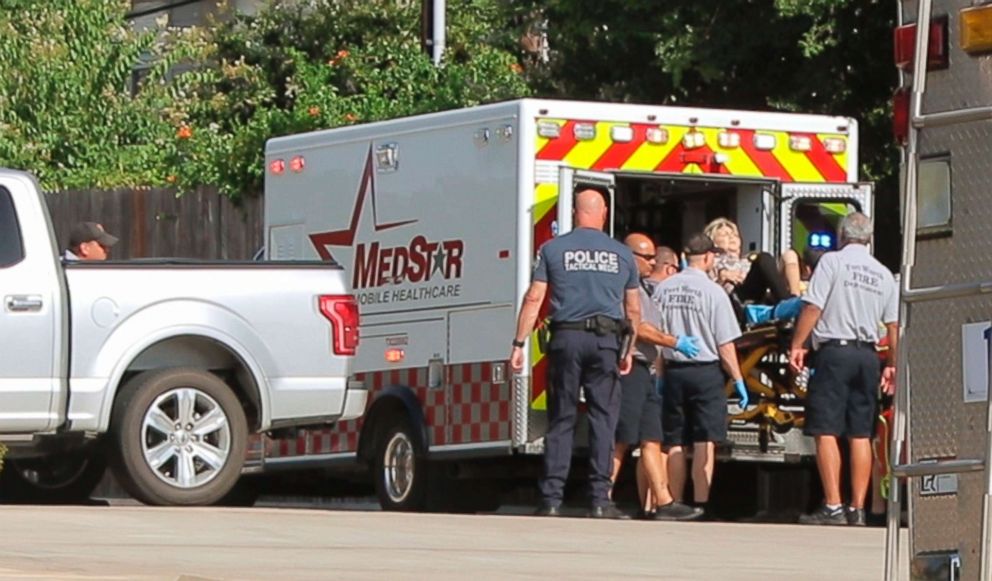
432	28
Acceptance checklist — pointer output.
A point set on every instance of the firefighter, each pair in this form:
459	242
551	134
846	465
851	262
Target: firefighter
594	285
694	407
640	402
849	294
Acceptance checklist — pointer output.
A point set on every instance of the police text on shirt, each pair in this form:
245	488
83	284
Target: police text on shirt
591	260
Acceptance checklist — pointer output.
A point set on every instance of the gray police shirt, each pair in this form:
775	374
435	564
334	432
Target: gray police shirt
855	293
589	273
692	304
645	350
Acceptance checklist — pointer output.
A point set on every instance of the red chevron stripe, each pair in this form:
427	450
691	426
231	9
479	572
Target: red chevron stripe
825	162
673	161
556	149
619	153
765	160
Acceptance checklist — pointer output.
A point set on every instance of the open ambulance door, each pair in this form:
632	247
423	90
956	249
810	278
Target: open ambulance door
810	214
569	181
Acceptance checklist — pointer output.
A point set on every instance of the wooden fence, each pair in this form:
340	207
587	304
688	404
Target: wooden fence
154	223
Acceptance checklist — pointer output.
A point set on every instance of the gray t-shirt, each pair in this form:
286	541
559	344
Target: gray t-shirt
855	293
644	350
589	273
692	304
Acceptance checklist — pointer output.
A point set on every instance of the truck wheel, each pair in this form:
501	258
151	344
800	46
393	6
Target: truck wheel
180	437
65	478
400	469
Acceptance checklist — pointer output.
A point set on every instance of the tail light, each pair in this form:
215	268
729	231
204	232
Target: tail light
900	115
904	45
342	312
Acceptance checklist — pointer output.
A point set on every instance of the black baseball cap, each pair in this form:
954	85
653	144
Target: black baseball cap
699	244
89	232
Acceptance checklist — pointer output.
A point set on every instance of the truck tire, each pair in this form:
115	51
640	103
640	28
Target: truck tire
66	478
179	437
399	468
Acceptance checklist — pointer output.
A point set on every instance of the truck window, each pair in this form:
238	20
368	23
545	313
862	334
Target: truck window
11	247
816	222
933	196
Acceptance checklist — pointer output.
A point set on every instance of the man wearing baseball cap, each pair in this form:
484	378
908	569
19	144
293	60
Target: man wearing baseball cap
89	241
694	406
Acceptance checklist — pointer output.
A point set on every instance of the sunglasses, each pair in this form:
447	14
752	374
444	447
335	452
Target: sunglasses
648	257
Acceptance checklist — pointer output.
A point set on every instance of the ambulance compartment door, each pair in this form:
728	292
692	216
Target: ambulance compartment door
810	214
571	180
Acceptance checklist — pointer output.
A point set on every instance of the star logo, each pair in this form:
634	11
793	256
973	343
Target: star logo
346	237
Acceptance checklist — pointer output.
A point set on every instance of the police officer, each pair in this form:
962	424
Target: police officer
849	294
694	407
594	284
640	402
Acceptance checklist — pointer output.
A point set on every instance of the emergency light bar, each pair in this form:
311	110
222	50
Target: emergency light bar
584	131
548	129
657	135
729	139
904	45
800	143
764	141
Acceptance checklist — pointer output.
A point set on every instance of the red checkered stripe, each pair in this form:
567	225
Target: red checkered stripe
479	411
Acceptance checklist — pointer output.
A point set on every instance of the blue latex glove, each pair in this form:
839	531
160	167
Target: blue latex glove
742	392
687	345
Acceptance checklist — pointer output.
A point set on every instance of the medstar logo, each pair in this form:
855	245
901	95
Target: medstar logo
374	264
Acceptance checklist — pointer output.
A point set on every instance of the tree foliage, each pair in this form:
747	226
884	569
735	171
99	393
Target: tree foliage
73	113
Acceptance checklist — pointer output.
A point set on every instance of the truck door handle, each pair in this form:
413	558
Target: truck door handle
23	303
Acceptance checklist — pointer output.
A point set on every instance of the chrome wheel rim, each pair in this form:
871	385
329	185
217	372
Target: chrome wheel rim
185	437
398	467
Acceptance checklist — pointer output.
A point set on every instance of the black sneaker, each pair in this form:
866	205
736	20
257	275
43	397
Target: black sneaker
644	514
677	511
824	516
855	516
547	510
608	511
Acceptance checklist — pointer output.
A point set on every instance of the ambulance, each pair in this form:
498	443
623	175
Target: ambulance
941	448
437	220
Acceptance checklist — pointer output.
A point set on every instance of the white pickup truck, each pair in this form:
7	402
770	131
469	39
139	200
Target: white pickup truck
164	368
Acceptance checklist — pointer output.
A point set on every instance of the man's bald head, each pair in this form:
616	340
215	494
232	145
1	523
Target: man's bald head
590	209
643	249
666	263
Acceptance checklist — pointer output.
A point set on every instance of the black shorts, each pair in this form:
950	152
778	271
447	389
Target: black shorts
640	407
694	408
842	399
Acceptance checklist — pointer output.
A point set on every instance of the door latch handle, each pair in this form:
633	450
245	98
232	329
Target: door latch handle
23	303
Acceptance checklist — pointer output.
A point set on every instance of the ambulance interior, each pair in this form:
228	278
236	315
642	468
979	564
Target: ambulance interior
670	209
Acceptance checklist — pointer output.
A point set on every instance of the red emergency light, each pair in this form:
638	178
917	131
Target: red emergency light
904	45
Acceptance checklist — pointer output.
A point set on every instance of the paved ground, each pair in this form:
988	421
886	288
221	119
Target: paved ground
140	543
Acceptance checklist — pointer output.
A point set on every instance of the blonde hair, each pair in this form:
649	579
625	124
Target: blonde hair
719	224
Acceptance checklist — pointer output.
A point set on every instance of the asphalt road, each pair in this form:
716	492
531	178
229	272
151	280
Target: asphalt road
142	543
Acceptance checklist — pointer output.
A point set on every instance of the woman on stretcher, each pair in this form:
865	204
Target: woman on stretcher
755	279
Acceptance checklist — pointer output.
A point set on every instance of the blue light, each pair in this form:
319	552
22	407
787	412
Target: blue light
818	240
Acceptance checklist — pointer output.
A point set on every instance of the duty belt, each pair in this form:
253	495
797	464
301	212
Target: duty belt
846	343
600	324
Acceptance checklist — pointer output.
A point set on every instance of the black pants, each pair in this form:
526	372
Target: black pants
763	278
842	399
580	358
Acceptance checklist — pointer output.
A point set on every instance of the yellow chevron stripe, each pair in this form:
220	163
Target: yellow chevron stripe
649	155
738	162
795	162
540	142
840	157
545	196
541	402
585	153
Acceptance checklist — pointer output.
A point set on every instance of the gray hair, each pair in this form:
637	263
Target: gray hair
856	227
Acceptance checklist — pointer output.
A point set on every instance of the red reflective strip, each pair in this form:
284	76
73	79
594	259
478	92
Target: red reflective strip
825	162
619	153
557	148
766	161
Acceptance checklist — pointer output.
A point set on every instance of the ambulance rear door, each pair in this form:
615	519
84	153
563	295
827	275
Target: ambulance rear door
570	181
810	213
